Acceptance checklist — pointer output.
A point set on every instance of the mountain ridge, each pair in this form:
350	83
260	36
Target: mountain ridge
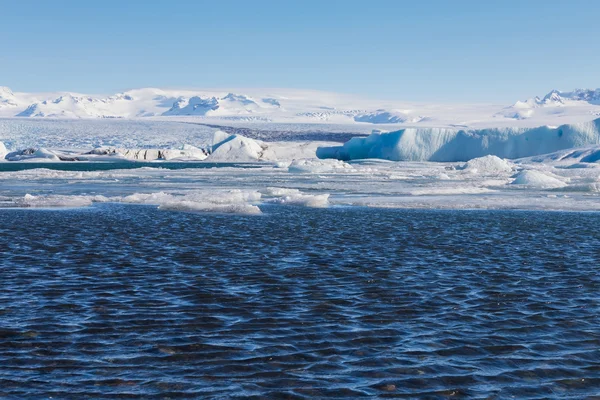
295	106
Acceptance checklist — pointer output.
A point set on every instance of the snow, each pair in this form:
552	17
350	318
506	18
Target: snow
195	105
390	117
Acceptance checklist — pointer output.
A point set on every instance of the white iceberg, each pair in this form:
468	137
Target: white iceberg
235	148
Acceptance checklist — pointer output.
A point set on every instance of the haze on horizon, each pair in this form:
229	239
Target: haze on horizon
431	51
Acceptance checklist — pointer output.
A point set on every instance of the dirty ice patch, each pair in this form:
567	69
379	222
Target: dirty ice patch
32	155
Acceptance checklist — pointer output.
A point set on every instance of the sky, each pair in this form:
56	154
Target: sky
426	50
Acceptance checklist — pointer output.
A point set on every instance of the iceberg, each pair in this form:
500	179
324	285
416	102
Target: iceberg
452	145
31	154
235	148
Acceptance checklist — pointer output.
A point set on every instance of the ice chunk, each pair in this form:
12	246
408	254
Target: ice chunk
315	166
296	197
233	201
488	165
538	179
3	150
33	155
235	148
50	201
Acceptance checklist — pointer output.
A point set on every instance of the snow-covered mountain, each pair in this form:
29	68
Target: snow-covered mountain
556	98
555	102
299	106
7	98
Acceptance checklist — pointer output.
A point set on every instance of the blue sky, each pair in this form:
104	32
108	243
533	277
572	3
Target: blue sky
426	50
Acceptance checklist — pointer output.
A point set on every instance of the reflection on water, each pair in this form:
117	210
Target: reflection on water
122	301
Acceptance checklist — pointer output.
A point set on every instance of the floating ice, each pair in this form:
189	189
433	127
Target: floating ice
297	198
488	165
33	155
187	152
538	179
234	148
316	166
51	201
233	201
451	145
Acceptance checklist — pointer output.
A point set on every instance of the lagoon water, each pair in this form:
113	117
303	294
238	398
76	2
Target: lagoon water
127	301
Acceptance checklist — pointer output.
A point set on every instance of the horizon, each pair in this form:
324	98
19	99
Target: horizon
457	53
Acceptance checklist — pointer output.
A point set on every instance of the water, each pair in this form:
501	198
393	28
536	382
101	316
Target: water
118	301
82	166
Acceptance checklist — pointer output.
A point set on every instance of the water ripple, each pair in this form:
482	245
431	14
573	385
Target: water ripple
121	301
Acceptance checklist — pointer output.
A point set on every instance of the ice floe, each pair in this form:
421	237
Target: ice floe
233	201
315	166
296	197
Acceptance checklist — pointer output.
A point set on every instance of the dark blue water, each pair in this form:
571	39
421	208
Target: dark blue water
122	301
105	166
